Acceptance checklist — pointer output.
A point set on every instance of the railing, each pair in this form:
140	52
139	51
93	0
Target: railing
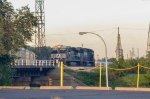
23	62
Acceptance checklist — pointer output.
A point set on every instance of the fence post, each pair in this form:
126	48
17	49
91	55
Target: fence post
61	73
138	76
100	75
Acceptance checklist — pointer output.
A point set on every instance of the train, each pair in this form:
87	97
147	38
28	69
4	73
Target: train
73	56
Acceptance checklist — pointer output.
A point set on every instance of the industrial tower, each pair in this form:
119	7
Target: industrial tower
119	50
40	30
148	40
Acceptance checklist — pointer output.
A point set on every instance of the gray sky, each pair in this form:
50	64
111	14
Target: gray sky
65	18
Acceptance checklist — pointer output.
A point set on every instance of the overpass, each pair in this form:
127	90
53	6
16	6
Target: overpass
32	71
27	68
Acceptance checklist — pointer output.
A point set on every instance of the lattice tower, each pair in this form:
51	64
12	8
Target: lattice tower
40	30
119	50
148	40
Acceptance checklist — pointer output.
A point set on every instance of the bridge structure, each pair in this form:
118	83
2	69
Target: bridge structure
28	68
29	71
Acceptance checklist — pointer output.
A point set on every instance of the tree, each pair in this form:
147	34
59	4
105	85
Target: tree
5	70
16	29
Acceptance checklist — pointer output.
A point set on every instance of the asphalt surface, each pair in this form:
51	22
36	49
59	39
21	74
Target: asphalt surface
71	94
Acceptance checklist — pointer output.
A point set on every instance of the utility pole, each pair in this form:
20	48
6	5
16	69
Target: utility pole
119	50
40	30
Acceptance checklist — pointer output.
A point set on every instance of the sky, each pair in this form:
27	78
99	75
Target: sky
66	18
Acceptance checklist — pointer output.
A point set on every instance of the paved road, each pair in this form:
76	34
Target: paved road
71	94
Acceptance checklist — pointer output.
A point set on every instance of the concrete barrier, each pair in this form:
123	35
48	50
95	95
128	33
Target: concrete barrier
93	88
15	87
78	88
56	87
131	89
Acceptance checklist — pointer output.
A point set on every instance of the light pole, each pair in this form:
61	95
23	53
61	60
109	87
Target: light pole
82	33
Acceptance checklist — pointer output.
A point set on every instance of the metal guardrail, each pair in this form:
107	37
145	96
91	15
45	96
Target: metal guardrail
23	62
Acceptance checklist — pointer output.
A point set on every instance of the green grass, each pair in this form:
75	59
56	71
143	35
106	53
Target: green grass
131	80
127	80
89	78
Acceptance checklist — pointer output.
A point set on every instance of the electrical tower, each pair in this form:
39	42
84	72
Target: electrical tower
119	50
40	30
148	40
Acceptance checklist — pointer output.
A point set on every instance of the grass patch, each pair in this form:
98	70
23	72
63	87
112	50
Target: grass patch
131	80
127	80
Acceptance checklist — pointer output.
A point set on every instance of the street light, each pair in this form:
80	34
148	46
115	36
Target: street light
82	33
